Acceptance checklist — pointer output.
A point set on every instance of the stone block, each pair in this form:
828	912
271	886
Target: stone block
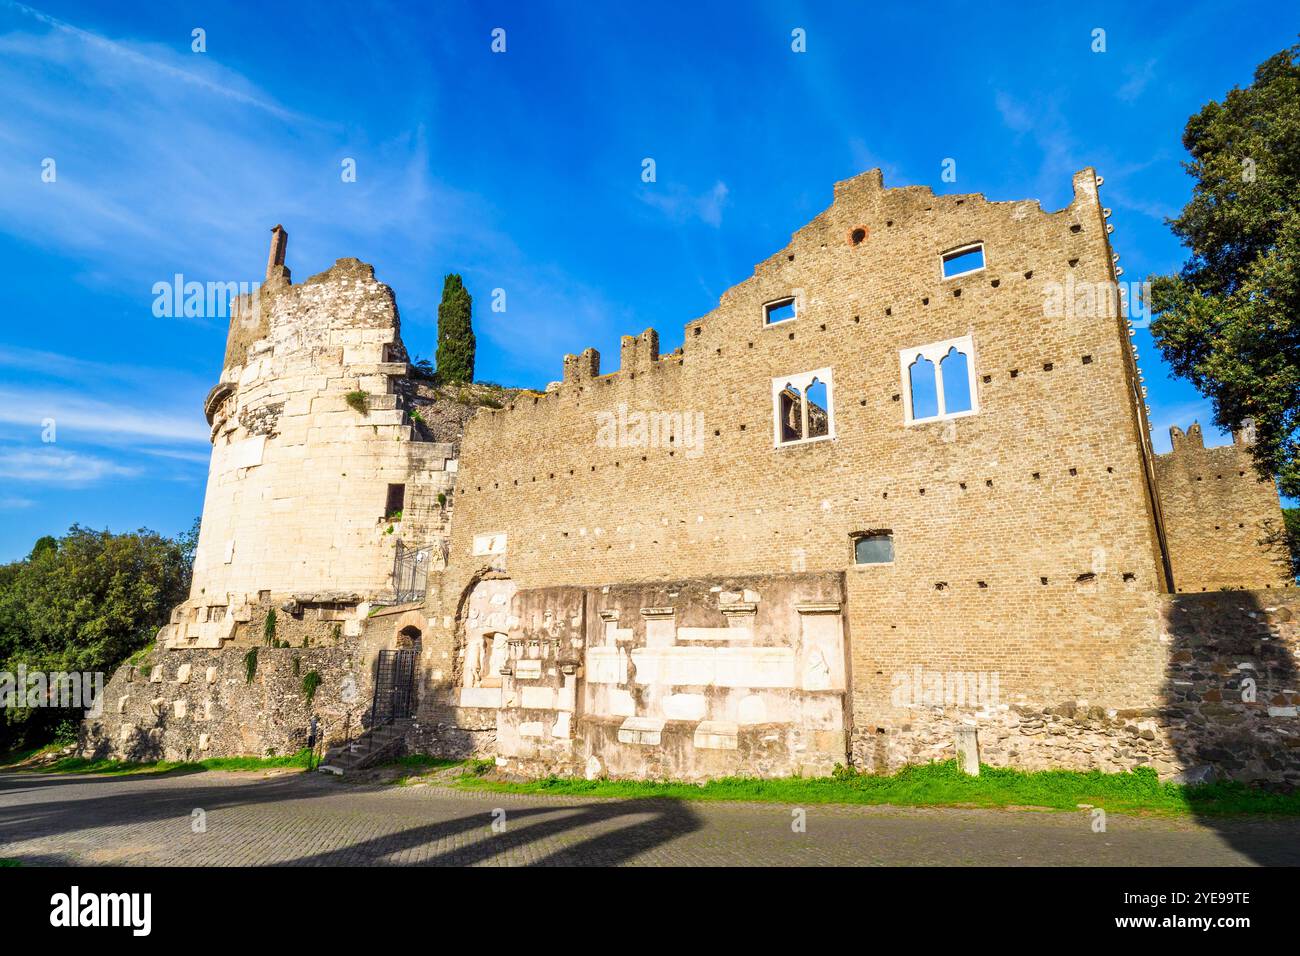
714	634
606	665
755	667
537	698
717	735
684	707
752	710
641	730
532	728
660	632
480	697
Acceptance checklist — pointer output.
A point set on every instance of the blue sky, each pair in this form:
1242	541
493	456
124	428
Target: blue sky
520	170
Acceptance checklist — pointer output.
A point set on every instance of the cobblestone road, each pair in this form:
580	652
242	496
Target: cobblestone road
313	820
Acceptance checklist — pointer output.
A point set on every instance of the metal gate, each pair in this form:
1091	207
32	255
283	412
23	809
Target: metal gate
410	571
394	687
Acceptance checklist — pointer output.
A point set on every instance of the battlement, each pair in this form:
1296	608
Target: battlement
1192	441
1222	519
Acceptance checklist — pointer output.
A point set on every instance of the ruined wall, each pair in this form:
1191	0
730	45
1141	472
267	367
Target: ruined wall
1023	533
296	506
1222	522
689	680
192	704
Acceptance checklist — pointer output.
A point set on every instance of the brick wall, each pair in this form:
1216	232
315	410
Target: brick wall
1024	537
1223	524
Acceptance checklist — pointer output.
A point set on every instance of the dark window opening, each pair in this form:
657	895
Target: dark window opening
791	412
873	547
396	500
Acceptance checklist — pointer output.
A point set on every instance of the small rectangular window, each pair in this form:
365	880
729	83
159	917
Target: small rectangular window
396	500
782	310
802	407
961	261
873	547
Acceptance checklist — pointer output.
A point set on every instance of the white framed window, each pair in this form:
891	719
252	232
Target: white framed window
780	310
962	261
939	380
802	408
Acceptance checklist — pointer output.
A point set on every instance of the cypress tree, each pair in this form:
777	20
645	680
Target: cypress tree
455	332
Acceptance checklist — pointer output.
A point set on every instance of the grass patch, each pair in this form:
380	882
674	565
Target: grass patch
21	756
421	764
938	785
125	767
7	861
358	401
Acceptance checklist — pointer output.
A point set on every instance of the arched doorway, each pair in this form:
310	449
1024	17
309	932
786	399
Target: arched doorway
408	639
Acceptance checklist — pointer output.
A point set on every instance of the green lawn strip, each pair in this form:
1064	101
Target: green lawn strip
6	861
123	767
939	785
14	757
422	764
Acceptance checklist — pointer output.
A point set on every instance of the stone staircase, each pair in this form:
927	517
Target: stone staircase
376	744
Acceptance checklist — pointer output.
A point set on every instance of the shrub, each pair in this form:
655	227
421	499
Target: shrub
250	665
268	628
310	682
358	401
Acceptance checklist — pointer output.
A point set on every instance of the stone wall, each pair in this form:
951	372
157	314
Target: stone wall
1225	704
1024	536
297	508
1223	524
192	704
688	680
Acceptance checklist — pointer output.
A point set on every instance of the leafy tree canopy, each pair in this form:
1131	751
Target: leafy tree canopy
1229	321
85	602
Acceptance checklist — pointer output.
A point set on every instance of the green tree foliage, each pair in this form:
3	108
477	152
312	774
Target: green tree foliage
455	332
1230	320
84	602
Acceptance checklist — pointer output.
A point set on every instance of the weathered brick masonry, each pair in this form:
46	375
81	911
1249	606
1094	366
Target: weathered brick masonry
1222	521
765	552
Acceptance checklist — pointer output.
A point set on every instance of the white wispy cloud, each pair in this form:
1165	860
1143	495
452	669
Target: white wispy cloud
50	465
32	407
210	78
1138	78
680	205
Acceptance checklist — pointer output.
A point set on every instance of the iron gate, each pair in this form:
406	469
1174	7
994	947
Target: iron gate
410	571
394	687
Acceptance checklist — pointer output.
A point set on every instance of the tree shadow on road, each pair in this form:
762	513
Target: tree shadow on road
554	833
1230	698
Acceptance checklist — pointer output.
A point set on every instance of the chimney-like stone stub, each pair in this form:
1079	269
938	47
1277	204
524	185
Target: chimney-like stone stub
581	368
275	266
1192	438
639	352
